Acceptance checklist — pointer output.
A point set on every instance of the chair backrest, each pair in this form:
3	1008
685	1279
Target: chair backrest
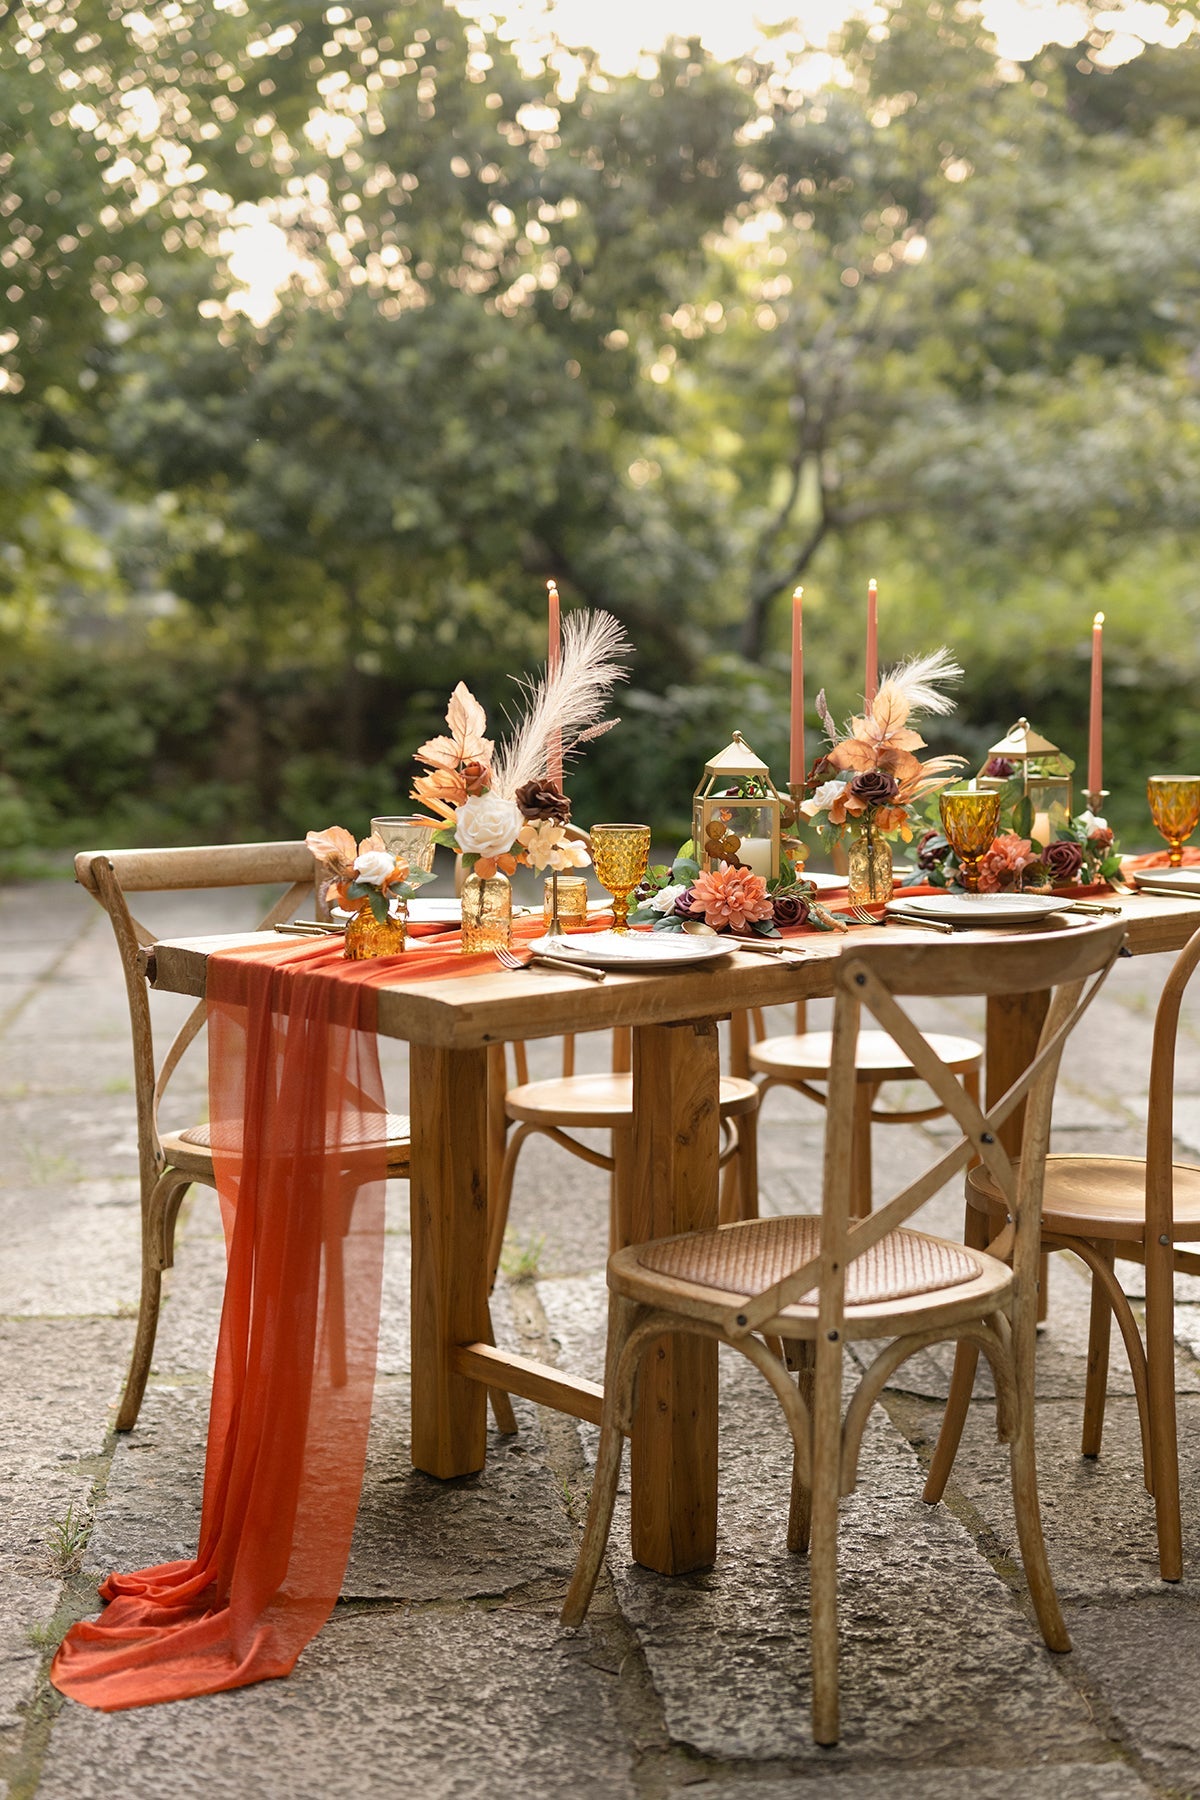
1160	1116
870	977
109	875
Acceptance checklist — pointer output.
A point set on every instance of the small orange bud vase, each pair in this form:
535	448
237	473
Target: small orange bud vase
367	936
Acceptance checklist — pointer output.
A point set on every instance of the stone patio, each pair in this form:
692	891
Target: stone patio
444	1671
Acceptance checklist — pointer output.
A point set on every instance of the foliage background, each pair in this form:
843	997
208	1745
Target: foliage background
678	339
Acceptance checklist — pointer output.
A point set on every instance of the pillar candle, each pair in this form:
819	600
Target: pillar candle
1096	720
755	854
554	749
796	767
871	678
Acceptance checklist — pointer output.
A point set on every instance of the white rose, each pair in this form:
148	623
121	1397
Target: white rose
824	797
1091	823
374	866
486	825
664	900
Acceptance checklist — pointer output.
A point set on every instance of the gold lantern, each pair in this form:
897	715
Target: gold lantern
736	812
1045	776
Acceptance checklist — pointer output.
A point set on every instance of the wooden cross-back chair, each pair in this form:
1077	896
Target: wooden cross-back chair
170	1161
1142	1209
803	1057
553	1107
816	1282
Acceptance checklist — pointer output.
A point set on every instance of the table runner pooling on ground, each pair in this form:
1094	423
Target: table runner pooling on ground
292	1051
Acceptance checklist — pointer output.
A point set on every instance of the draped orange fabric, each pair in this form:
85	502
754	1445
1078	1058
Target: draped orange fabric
297	1118
1158	859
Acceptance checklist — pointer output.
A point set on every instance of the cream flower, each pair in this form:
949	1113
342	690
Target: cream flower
547	846
664	900
826	794
374	867
486	825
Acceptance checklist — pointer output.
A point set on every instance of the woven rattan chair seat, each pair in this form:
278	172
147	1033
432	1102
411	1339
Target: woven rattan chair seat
397	1130
742	1260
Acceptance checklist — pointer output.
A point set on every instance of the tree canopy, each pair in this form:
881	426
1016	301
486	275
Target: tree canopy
678	339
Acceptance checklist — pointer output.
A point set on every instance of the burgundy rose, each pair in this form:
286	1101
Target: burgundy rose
874	787
997	768
683	904
541	800
789	909
932	849
1063	861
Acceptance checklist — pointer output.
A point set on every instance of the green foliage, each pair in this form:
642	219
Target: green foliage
678	339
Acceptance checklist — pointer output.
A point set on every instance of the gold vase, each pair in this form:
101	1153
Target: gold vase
486	913
368	936
870	862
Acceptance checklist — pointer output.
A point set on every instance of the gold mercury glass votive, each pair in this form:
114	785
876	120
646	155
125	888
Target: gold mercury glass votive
408	838
970	816
572	902
620	857
1175	808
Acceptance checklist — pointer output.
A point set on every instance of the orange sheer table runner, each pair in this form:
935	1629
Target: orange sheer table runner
298	1121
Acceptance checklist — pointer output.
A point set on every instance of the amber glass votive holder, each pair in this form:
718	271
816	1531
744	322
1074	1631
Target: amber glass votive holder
572	902
970	816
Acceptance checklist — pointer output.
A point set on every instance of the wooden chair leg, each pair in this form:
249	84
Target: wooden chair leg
621	1313
799	1529
1099	1336
620	1211
500	1402
1028	1516
962	1383
746	1161
826	1472
158	1253
860	1154
502	1199
1160	1368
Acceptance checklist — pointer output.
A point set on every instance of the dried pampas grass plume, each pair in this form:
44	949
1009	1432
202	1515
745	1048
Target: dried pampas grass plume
568	701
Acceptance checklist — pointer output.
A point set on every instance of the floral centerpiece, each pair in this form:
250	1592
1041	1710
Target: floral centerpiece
730	899
496	806
1082	853
370	884
870	780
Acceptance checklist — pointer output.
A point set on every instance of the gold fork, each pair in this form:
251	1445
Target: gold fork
507	960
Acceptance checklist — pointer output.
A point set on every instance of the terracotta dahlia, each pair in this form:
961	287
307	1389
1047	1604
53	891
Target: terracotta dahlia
731	899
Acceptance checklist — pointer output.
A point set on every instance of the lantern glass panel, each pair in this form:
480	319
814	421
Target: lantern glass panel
728	827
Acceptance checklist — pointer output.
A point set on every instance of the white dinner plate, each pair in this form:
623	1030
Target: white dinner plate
1171	881
435	912
635	949
823	883
979	909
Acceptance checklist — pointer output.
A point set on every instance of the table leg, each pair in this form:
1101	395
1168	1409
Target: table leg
676	1143
1014	1024
448	1104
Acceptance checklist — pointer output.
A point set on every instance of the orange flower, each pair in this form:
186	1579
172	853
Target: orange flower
486	866
1005	863
731	898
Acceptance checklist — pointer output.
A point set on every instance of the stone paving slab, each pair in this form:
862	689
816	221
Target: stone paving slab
1054	1781
443	1671
446	1703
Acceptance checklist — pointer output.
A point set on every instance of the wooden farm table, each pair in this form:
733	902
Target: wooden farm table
452	1028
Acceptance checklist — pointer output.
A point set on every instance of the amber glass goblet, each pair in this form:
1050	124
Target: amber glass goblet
970	816
620	857
1175	809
